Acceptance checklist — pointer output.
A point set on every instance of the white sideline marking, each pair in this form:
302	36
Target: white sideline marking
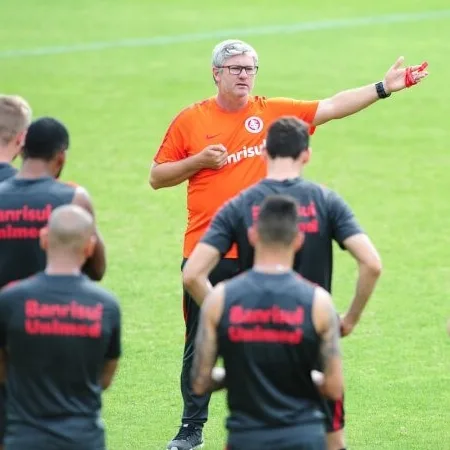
158	41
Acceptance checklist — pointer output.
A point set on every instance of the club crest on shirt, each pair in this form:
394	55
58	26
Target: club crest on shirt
254	124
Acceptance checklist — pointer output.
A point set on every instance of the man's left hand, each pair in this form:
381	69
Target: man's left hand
398	77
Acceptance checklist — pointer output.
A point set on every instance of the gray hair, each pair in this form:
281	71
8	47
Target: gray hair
231	47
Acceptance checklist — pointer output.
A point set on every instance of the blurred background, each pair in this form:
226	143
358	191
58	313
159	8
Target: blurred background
116	72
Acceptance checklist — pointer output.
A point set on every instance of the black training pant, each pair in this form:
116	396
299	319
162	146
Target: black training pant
196	407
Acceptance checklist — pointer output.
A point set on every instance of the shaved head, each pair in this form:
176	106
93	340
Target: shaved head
70	228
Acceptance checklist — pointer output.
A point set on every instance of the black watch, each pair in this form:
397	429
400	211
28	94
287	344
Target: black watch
380	90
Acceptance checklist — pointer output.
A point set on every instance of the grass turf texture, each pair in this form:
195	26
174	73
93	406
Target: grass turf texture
391	163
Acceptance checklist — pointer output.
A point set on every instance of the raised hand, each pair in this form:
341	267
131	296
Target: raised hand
398	77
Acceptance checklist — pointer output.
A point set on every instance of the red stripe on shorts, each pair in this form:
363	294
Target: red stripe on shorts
337	416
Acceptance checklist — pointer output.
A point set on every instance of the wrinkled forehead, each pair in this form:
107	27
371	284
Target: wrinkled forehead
241	60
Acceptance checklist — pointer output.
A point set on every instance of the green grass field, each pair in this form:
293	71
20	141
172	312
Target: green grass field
390	162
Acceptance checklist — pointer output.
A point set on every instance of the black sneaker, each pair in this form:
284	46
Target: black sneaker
189	437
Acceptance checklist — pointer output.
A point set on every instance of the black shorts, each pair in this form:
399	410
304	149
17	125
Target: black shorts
335	415
29	439
2	413
300	437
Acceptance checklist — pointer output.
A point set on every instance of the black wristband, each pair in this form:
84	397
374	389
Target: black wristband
380	90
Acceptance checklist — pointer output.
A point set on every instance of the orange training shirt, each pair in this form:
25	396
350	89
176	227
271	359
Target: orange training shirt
243	135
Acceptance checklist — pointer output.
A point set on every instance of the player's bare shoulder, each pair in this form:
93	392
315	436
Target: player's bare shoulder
103	295
83	198
323	310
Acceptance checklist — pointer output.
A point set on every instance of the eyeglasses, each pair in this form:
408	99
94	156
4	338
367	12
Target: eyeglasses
237	70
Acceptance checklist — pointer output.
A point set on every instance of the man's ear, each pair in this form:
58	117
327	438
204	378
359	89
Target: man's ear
90	247
299	240
216	74
306	156
43	238
252	234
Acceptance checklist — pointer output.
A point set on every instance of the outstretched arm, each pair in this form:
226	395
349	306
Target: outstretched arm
351	101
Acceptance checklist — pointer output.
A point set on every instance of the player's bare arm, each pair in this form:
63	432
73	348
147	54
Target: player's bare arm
112	355
351	101
197	269
173	173
205	355
369	266
2	365
95	266
109	370
326	322
170	174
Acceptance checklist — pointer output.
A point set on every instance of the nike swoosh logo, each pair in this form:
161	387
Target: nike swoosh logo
210	136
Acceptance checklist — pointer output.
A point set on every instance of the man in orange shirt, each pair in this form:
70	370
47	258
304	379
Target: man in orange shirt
216	144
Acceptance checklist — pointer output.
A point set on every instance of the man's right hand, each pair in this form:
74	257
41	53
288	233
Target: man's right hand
347	324
213	157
